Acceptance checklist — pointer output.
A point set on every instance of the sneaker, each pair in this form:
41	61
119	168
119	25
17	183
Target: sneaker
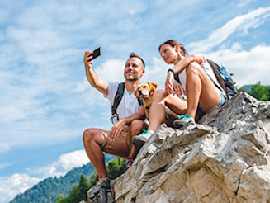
139	140
184	120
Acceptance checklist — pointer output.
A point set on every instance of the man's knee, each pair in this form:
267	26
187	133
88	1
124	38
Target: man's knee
89	135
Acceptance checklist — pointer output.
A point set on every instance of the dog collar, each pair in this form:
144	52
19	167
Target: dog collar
148	107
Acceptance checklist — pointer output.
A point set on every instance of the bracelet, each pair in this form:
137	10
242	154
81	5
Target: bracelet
170	70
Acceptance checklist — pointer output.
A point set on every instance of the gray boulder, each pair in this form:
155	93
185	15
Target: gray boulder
224	158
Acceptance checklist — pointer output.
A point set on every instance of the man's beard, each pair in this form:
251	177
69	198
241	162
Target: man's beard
132	79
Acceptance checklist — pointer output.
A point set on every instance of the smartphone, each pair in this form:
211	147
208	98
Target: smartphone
96	53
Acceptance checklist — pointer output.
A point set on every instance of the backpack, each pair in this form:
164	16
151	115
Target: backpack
118	96
223	76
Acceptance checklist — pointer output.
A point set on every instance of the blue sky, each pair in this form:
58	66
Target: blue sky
45	100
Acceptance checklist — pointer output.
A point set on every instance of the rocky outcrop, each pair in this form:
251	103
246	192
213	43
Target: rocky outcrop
224	158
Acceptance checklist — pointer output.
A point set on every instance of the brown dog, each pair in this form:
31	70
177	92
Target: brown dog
145	91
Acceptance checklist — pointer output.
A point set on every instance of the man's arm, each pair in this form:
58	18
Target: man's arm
92	77
117	128
140	115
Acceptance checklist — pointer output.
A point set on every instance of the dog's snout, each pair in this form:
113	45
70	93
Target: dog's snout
140	92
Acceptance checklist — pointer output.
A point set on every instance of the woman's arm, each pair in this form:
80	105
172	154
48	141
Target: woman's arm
182	64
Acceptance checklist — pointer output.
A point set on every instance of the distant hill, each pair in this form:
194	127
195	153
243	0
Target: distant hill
47	191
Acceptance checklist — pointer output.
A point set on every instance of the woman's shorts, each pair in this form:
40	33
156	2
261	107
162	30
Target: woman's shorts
200	112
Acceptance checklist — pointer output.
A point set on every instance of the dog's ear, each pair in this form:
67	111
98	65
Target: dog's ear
153	86
136	92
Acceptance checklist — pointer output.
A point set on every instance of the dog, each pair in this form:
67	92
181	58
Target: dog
145	91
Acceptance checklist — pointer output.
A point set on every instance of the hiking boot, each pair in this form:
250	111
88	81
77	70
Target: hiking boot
102	192
184	120
105	183
139	140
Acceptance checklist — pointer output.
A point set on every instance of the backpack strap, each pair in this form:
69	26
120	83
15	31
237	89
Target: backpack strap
216	69
118	96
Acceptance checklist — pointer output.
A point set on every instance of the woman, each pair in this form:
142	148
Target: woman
199	85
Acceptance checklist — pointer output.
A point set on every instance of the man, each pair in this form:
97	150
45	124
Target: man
131	116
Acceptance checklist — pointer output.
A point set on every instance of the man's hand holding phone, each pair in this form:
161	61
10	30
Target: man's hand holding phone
87	59
96	53
89	56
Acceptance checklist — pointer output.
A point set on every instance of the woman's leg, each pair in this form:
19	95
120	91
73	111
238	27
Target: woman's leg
200	89
136	127
176	104
157	110
155	119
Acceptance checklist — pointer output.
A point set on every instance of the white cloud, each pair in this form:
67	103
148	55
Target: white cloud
240	23
156	72
4	148
111	70
15	184
65	163
4	165
243	3
249	66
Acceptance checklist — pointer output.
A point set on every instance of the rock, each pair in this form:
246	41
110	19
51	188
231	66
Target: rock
224	158
94	195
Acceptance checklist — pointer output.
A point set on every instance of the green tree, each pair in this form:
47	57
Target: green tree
62	199
82	187
74	194
115	168
79	191
260	92
93	180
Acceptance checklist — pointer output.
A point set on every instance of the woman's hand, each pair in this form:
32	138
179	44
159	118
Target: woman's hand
184	63
116	129
169	83
178	89
198	58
